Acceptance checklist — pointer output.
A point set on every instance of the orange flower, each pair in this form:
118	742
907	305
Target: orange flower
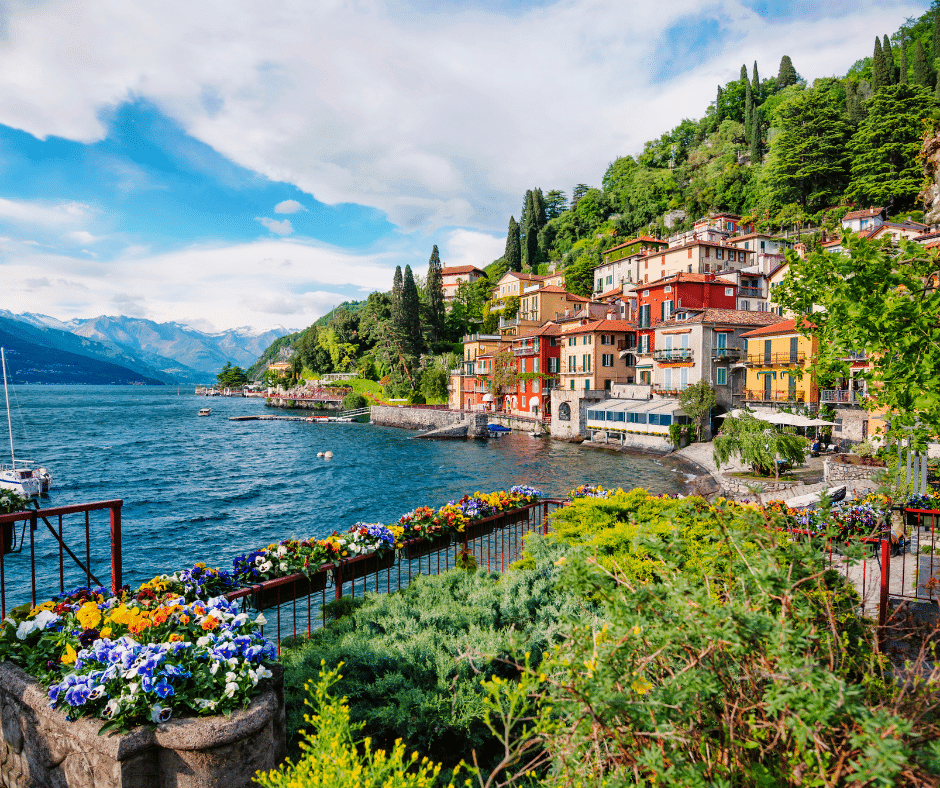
184	619
139	626
174	636
210	623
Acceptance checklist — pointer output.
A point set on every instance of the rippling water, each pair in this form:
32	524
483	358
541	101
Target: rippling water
209	488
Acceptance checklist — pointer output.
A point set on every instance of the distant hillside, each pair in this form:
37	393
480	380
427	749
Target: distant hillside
279	350
30	362
352	306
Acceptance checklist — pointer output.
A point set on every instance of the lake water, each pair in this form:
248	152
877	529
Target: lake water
208	489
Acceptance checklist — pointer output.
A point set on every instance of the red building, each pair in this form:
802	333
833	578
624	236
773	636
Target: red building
658	301
537	366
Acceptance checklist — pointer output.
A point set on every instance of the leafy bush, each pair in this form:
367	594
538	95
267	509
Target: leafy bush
11	502
415	658
354	401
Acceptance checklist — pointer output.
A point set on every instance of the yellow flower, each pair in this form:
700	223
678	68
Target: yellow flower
641	686
88	615
69	656
106	632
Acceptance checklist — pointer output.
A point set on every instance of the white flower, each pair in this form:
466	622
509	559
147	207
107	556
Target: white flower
132	688
205	640
230	676
159	714
281	551
231	688
261	620
266	566
215	668
96	692
240	619
25	627
111	709
282	566
259	560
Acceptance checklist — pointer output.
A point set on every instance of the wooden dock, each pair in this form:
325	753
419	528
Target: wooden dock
321	419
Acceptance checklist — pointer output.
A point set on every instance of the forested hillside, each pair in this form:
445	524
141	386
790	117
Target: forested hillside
778	151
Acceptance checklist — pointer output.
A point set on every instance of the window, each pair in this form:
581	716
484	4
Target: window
721	376
535	384
718	253
708	252
610	279
587	384
553	365
587	362
667	289
645	377
607	339
690	252
553	341
607	359
572	388
571	363
564	410
600	284
535	365
729	291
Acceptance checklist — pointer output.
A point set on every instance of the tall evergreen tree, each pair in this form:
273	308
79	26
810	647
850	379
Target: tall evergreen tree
879	77
435	288
538	202
396	286
532	247
888	54
885	168
743	73
719	115
902	69
748	107
755	84
399	328
755	137
920	68
526	208
411	314
555	204
577	193
786	76
935	43
853	103
513	254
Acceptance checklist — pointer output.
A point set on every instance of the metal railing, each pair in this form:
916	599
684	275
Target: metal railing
726	353
750	292
525	350
674	354
844	396
770	359
60	521
297	604
775	396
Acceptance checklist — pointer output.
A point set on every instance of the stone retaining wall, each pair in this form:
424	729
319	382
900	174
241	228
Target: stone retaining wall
658	443
39	747
428	419
302	404
843	472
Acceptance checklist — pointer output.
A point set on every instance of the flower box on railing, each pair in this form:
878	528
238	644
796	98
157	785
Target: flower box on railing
418	548
924	518
271	593
362	565
40	746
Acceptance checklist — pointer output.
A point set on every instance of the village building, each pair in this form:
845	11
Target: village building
538	365
590	354
454	276
513	283
716	228
867	219
694	257
769	251
539	304
465	390
778	360
620	262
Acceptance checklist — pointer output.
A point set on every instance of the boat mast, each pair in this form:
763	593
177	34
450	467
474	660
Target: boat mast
6	396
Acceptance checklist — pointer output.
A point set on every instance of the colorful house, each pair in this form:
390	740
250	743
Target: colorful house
538	365
590	354
537	306
777	360
466	390
456	275
694	257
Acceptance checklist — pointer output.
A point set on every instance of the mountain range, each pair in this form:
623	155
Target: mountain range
154	352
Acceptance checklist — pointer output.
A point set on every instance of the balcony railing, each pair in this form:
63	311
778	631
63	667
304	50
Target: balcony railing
673	355
525	350
750	292
662	391
726	353
861	355
623	344
843	396
775	396
509	322
771	359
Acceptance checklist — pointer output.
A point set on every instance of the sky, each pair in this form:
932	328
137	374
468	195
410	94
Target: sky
252	164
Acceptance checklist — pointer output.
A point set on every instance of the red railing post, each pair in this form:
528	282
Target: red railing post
883	601
116	567
338	579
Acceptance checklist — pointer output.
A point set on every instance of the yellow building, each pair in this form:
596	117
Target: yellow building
774	357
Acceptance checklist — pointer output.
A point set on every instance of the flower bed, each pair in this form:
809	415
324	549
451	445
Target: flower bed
867	517
922	511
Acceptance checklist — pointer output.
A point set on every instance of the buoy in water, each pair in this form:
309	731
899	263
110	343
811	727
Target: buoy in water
319	454
327	455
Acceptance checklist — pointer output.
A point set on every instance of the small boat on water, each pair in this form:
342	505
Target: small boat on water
496	430
20	476
205	411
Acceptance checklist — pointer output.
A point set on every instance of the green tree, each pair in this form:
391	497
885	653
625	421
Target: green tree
787	75
310	354
697	401
885	169
902	69
577	193
879	69
435	291
888	55
808	160
555	204
758	444
513	255
579	275
920	67
718	107
410	327
878	298
231	377
755	84
755	138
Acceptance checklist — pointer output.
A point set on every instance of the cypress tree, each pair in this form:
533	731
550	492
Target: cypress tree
719	115
921	71
396	286
743	73
748	107
878	75
398	318
786	76
411	314
755	138
755	84
513	255
902	70
526	208
532	247
538	202
853	102
889	61
435	287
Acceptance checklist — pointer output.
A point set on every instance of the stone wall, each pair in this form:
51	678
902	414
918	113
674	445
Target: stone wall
842	472
39	747
656	443
428	419
577	402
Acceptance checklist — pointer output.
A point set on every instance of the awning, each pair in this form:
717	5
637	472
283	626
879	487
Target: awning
487	397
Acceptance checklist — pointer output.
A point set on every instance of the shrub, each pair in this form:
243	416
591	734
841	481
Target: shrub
354	401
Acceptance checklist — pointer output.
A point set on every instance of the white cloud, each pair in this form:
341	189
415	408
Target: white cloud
468	247
437	119
83	236
288	206
43	214
283	227
223	286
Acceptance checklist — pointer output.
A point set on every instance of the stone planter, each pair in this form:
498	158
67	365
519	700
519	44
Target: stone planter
39	747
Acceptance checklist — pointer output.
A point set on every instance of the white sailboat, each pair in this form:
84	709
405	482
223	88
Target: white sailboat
19	477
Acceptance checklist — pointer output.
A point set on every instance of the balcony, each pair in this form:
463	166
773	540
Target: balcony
775	396
859	356
525	350
509	322
750	292
842	396
726	353
662	391
774	359
623	344
672	356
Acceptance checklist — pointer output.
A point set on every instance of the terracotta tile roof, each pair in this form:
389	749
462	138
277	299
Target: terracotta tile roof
736	317
784	327
777	268
867	213
548	330
933	244
736	238
461	269
700	242
553	289
835	242
638	239
611	293
603	325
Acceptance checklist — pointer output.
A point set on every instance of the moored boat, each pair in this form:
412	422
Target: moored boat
205	411
20	477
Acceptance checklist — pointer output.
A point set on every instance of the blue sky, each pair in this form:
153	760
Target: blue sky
235	163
